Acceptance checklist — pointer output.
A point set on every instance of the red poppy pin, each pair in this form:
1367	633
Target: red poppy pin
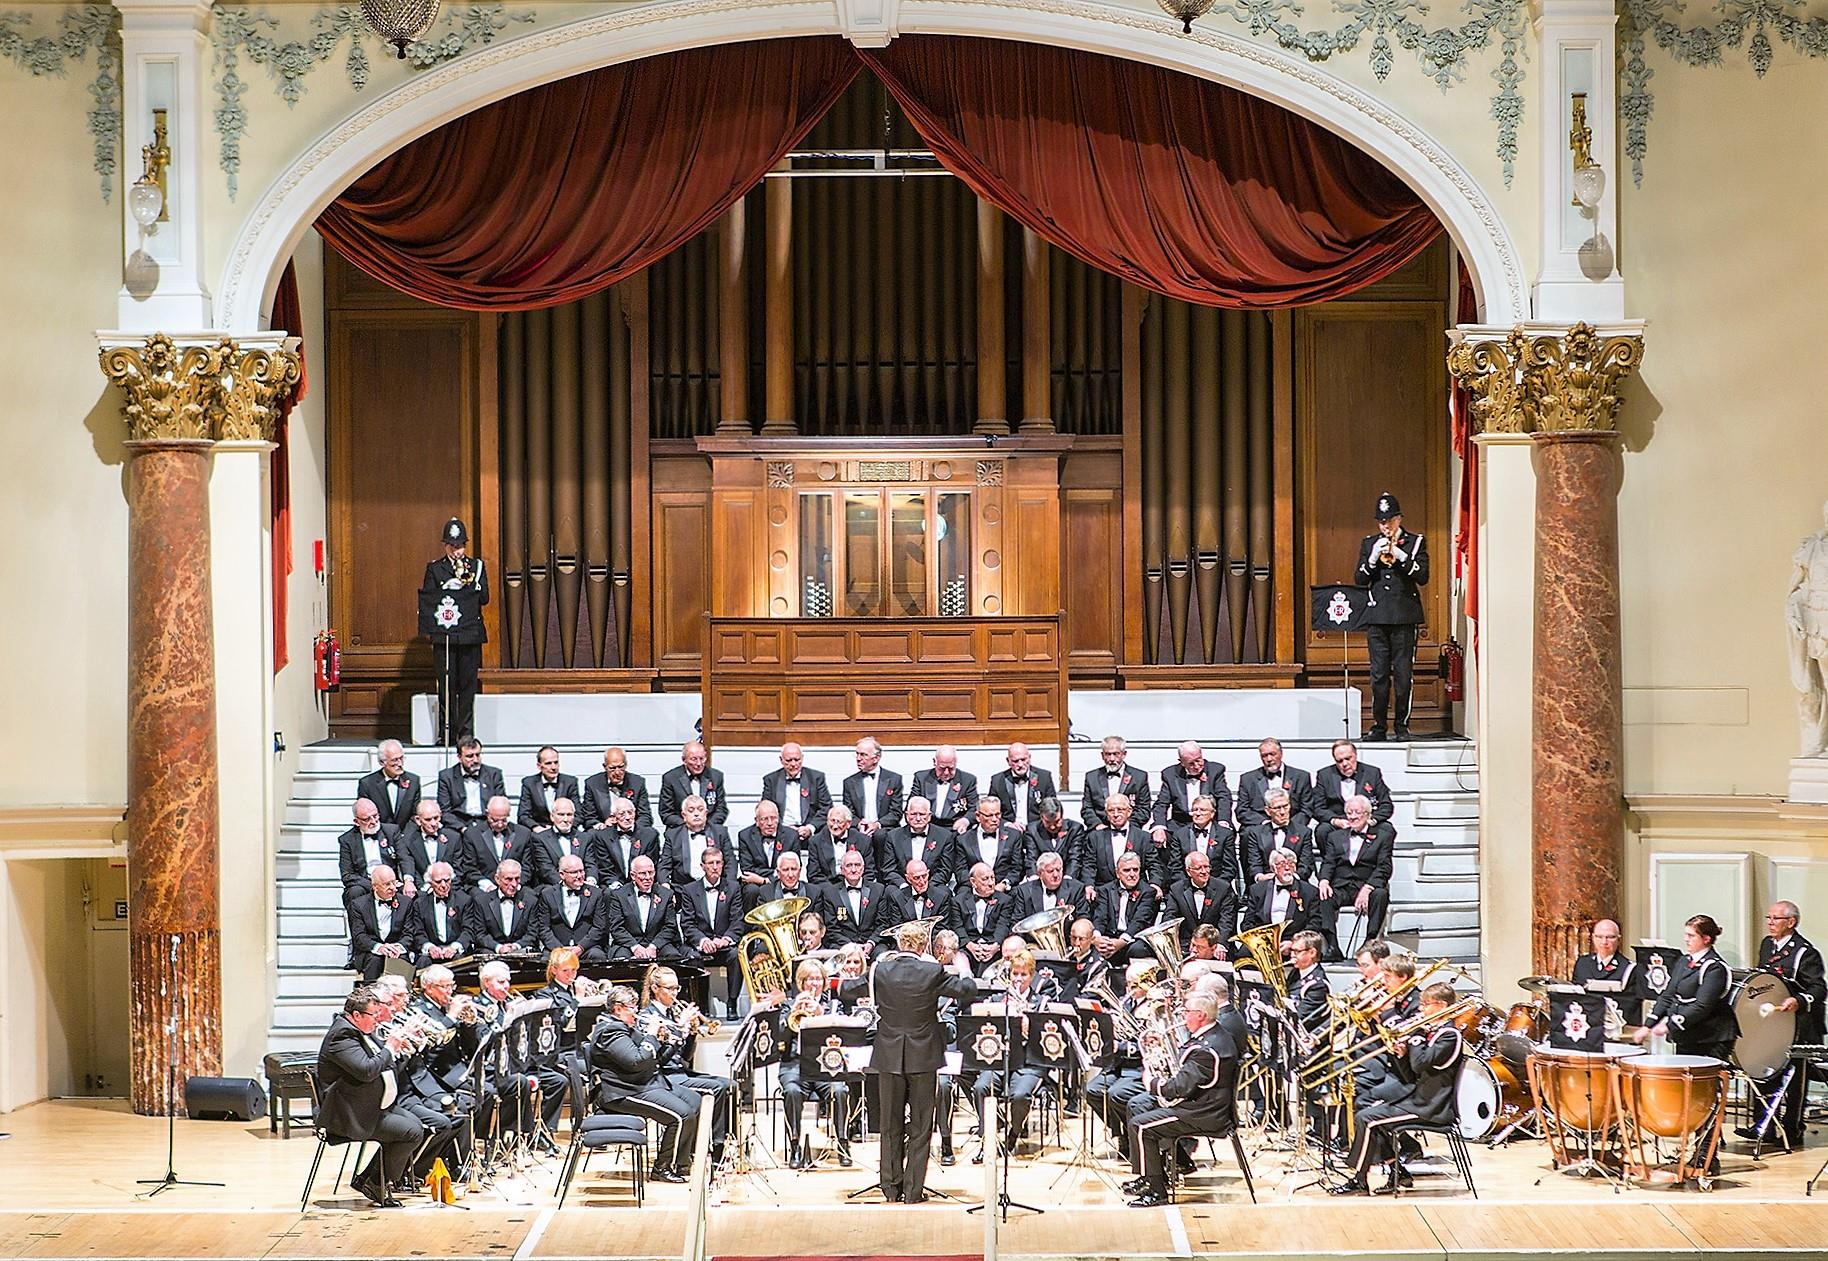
866	899
805	791
405	783
891	790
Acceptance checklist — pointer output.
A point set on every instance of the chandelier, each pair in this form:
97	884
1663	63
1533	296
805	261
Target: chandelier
1184	10
401	22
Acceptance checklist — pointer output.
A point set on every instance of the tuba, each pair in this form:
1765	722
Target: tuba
1044	927
777	933
916	935
1264	945
1165	941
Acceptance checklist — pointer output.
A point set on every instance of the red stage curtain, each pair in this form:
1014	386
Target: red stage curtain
1176	183
560	191
286	315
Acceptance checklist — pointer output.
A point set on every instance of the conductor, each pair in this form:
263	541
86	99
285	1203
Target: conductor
905	988
458	656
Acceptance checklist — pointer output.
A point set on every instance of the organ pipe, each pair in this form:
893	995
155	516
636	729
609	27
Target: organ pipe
1154	477
1178	439
733	320
1209	370
1235	425
514	489
595	383
539	477
778	203
1037	310
621	511
992	391
1258	348
567	496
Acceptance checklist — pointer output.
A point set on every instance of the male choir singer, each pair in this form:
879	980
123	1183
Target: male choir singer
457	657
1394	564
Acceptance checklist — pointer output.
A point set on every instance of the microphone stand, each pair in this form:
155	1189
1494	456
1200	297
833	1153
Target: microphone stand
171	1178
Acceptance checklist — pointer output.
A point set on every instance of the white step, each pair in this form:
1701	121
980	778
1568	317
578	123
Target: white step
295	867
285	1038
1444	807
1446	862
311	952
311	1014
1435	916
309	924
310	895
316	984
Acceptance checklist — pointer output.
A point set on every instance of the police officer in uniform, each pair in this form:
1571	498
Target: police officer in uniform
1393	563
458	657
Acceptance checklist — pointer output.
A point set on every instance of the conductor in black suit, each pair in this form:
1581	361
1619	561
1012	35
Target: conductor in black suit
906	988
460	652
355	1077
1393	563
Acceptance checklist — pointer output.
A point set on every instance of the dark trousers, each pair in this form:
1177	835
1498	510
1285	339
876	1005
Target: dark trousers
676	1114
717	1088
464	662
835	1095
399	1134
1109	1094
1154	1137
1392	651
1020	1092
1371	1137
1344	895
908	1100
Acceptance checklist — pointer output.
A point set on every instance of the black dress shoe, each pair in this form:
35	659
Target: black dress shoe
370	1188
979	1158
1746	1131
388	1202
1135	1186
1377	735
665	1174
1351	1186
844	1157
1402	733
919	1197
1184	1162
1150	1199
947	1158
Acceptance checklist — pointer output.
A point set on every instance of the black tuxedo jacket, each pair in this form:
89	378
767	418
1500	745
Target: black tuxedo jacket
532	812
1138	905
964	916
772	892
1221	910
875	912
487	933
1134	784
456	921
373	786
441	573
907	989
1259	842
450	792
589	932
960	794
1395	598
644	842
936	901
352	863
896	848
365	929
1039	784
1178	791
707	912
351	1080
548	847
1303	907
1010	864
1025	900
1220	845
599	797
627	929
676	853
676	786
1309	991
480	847
820	858
1331	798
1376	859
814	794
1254	784
891	798
446	848
1098	865
756	854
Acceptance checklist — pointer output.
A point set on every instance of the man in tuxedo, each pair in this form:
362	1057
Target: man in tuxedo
789	881
539	790
682	857
394	792
1204	833
693	777
358	1093
1054	833
1115	775
1121	910
1273	773
1199	899
1191	776
854	908
1347	778
916	838
502	915
618	843
614	780
1281	829
562	837
798	793
457	657
488	843
429	841
711	921
441	916
370	844
1393	563
757	846
952	792
1021	788
989	841
641	915
874	794
826	850
573	913
1051	887
465	790
980	917
921	897
1103	847
1284	899
1355	867
380	923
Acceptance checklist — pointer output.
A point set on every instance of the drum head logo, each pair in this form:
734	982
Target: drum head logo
1094	1040
831	1056
1575	1023
447	614
1053	1042
988	1044
1656	973
1339	609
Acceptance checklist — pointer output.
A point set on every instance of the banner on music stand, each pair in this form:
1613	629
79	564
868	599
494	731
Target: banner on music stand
1049	1043
1577	1019
1336	607
1657	962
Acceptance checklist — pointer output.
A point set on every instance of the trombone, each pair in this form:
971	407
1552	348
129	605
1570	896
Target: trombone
1382	1040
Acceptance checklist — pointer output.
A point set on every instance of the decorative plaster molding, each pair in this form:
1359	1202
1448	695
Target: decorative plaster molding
81	28
87	831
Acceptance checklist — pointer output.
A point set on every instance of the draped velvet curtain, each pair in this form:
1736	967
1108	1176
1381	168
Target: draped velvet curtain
286	315
1178	184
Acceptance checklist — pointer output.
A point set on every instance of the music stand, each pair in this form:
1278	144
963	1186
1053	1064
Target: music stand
828	1053
1089	1029
1340	607
443	615
987	1043
753	1047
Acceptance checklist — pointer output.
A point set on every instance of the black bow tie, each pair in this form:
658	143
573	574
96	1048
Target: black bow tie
793	779
472	774
1018	779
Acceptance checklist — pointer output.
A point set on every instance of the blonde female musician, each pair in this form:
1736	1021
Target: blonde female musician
811	998
675	1023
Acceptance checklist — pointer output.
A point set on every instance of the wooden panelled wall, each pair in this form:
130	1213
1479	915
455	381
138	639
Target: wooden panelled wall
1217	463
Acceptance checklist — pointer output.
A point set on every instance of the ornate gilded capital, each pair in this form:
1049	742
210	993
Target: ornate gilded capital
1546	382
216	393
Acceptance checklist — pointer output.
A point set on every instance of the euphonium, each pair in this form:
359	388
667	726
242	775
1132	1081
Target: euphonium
1123	1024
771	969
1165	941
1044	927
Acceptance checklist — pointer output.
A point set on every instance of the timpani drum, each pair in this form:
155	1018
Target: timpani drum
1673	1099
1576	1100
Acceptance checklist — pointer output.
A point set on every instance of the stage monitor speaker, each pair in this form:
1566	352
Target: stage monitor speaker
224	1099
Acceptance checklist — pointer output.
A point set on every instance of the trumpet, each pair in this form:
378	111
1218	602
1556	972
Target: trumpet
415	1030
586	987
464	1010
805	1004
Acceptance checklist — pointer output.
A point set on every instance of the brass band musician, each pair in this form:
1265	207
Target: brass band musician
1428	1066
1195	1100
1023	1080
677	1026
812	997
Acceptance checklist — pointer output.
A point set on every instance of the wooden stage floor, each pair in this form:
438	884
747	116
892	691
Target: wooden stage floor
67	1190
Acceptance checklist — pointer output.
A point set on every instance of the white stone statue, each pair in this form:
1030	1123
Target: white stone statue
1806	610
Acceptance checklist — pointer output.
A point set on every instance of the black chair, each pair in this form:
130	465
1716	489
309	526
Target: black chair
1456	1148
595	1133
326	1139
1237	1150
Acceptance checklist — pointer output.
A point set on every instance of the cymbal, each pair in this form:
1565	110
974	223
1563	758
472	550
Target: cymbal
1535	984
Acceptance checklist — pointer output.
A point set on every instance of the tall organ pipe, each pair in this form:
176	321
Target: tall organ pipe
1180	485
513	482
539	477
621	520
1208	369
1154	472
1262	493
1237	477
593	354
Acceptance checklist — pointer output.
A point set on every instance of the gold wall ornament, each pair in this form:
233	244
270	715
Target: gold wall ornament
209	393
253	384
1571	382
1488	370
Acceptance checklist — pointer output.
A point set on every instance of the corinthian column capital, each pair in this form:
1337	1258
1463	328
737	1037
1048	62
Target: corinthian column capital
1536	378
203	389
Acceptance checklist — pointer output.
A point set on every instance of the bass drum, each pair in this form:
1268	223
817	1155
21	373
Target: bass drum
1486	1096
1765	1033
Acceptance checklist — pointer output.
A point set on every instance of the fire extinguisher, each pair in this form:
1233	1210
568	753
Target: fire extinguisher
1453	670
327	661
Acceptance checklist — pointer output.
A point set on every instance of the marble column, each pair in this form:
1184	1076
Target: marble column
180	401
